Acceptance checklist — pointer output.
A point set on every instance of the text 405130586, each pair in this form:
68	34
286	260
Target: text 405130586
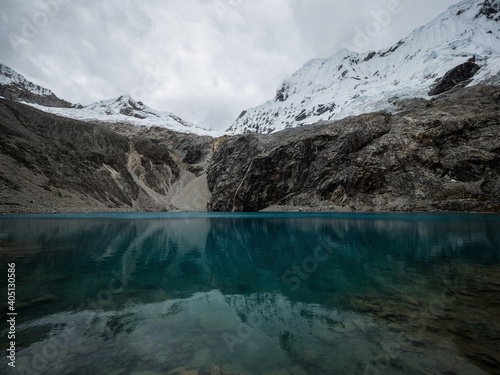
11	315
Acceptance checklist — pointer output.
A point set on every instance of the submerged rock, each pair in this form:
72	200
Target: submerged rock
46	298
218	321
202	358
215	370
234	369
278	372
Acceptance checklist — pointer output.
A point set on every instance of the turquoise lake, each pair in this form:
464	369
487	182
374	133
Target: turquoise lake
274	294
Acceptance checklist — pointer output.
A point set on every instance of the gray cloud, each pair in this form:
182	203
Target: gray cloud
204	60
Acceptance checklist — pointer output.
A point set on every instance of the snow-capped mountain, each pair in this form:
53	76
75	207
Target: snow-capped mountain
350	83
125	105
14	86
124	109
127	110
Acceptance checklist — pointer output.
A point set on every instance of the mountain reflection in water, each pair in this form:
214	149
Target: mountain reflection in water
254	294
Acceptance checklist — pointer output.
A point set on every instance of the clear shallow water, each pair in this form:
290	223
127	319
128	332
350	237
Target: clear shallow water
254	293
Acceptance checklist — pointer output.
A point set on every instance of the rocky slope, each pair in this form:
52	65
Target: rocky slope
350	83
16	87
432	155
50	163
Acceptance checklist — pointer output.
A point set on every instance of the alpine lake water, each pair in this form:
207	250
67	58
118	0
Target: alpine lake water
151	294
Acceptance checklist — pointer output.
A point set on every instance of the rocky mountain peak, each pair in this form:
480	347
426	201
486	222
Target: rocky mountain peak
14	86
490	9
125	105
128	106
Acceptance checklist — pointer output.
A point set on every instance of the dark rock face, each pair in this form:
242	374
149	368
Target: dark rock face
490	9
19	93
231	160
455	76
51	163
282	93
20	89
442	156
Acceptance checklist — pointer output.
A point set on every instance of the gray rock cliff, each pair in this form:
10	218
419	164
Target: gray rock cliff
50	163
440	155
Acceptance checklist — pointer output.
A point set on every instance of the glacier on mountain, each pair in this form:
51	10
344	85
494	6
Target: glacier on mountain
124	109
350	83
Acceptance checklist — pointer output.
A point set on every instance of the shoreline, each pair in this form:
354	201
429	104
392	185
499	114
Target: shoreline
268	210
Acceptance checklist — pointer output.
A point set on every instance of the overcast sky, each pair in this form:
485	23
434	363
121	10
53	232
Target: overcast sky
204	60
